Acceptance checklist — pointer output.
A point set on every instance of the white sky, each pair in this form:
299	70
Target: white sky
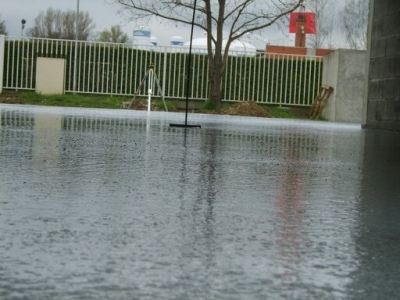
105	15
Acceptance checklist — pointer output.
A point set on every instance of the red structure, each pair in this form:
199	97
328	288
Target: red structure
302	23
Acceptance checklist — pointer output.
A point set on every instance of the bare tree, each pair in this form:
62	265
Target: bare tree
325	19
224	21
355	23
3	29
114	35
59	24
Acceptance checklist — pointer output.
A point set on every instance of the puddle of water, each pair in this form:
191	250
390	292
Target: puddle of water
116	205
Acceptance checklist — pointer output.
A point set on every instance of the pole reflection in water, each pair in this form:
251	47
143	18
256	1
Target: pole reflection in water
116	204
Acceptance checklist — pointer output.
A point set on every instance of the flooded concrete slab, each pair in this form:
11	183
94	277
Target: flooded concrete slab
114	204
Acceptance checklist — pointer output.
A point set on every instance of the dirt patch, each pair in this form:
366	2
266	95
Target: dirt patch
300	112
247	108
142	105
10	99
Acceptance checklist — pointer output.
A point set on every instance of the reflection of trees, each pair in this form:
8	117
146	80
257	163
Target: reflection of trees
378	235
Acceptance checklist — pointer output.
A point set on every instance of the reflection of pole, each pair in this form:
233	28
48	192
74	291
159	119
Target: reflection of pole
76	44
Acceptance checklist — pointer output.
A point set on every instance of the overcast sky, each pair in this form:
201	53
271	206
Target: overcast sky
105	15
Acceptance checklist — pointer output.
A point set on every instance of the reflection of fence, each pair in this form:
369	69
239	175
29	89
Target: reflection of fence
105	68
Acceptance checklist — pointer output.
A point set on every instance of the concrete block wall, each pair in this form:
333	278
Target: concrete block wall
344	70
382	101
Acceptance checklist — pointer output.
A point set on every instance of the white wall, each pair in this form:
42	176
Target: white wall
344	70
2	44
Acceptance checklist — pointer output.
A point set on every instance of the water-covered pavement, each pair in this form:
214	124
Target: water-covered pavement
112	204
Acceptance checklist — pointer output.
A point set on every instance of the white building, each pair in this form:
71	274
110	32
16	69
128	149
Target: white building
141	37
237	48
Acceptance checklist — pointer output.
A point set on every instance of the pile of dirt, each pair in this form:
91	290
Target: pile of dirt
247	108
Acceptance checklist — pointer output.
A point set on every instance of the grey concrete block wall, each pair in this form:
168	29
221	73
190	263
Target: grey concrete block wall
344	70
382	101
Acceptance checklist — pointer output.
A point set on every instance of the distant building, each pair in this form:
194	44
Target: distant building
176	41
141	37
153	41
237	48
287	50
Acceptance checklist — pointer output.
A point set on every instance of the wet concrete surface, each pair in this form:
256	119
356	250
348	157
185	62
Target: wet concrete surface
113	204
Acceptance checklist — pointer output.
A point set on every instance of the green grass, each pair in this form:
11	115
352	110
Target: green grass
279	112
114	102
171	105
73	100
209	104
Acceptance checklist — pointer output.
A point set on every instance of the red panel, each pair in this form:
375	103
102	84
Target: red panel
310	22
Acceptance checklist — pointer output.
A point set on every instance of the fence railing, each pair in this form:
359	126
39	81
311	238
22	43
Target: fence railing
118	69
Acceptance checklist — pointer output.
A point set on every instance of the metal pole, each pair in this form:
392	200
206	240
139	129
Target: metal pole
150	86
190	62
76	45
188	74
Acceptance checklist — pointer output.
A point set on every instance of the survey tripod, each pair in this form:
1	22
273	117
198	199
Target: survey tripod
151	78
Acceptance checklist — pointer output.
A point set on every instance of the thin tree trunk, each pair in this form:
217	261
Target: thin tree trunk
215	59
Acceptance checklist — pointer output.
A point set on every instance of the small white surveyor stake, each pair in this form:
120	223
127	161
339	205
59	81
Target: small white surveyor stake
188	76
151	78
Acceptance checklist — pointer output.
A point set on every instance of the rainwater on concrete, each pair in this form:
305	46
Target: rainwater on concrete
115	204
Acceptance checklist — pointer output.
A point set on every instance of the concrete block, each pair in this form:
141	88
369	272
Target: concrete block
381	9
389	67
396	109
382	104
378	48
344	70
391	89
375	90
377	29
373	112
391	24
382	68
391	111
393	45
394	6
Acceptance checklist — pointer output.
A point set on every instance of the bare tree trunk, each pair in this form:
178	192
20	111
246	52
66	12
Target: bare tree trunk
215	82
216	69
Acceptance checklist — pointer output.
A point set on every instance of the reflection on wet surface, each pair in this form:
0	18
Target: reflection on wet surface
98	204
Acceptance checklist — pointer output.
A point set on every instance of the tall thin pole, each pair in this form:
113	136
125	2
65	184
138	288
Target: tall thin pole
190	62
188	73
76	45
